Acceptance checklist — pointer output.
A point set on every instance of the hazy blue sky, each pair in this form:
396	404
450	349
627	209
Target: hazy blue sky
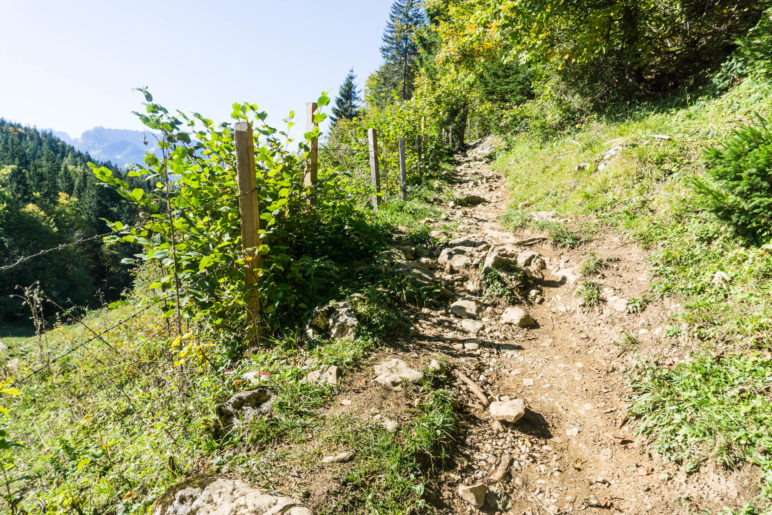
72	65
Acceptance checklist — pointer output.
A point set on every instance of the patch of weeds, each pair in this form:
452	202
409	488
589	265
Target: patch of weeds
560	234
377	318
636	305
419	235
505	285
711	408
513	218
673	331
589	292
626	342
392	473
593	265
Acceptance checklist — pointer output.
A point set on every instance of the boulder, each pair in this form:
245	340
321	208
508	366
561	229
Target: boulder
333	320
393	372
507	411
473	494
524	259
457	257
224	497
495	259
245	405
465	308
517	316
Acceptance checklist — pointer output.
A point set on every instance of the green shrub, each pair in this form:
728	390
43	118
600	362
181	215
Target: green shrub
738	188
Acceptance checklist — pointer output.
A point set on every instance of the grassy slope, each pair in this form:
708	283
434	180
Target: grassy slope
113	427
714	406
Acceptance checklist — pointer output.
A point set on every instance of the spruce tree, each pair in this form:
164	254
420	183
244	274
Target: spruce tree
400	48
347	102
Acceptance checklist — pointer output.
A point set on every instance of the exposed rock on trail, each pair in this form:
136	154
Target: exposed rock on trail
225	497
572	449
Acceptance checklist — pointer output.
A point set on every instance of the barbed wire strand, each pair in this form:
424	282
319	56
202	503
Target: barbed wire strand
86	342
63	246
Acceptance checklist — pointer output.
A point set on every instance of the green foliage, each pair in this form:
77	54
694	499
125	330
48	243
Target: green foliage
507	284
560	234
48	197
193	233
589	293
347	102
709	408
739	185
592	265
400	47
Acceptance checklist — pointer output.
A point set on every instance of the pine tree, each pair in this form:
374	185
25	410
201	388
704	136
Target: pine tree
399	48
347	102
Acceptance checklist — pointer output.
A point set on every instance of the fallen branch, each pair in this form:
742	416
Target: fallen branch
502	469
476	390
530	241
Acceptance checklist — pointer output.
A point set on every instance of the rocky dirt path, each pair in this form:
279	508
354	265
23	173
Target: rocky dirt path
573	449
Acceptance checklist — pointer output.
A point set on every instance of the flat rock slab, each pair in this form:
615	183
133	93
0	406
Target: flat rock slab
392	373
225	497
328	375
517	316
507	411
465	308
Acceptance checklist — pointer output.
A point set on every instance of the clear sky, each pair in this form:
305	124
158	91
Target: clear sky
71	65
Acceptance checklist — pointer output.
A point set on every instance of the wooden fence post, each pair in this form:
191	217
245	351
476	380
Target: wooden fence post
418	149
250	221
313	157
372	137
402	169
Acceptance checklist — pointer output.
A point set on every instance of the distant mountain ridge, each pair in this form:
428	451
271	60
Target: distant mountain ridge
122	147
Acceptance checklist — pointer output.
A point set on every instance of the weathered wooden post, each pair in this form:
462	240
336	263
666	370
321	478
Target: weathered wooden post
312	166
402	169
372	137
250	221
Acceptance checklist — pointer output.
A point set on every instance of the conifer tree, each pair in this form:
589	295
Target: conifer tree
400	48
347	102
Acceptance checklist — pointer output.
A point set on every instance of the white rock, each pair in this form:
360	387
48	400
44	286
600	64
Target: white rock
328	375
465	308
390	425
524	258
507	411
517	316
473	326
618	303
339	458
392	373
255	377
227	497
473	494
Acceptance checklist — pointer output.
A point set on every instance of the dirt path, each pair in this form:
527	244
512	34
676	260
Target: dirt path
574	450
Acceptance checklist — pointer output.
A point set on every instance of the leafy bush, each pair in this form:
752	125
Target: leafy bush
193	229
738	188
